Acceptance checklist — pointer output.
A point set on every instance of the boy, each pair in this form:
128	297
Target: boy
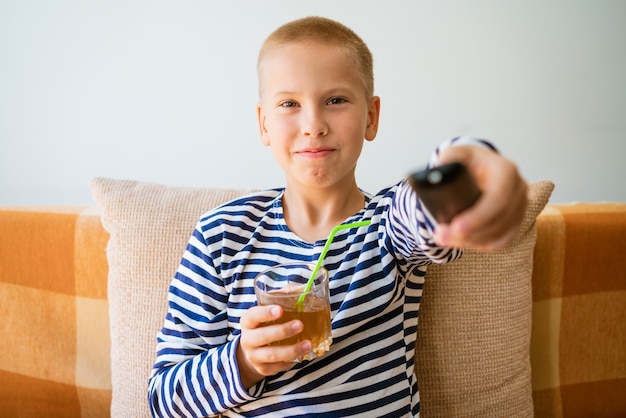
316	108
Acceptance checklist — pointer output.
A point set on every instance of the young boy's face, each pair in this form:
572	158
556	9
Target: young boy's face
314	113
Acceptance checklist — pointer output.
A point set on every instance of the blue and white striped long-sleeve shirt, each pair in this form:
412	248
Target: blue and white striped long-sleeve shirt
377	273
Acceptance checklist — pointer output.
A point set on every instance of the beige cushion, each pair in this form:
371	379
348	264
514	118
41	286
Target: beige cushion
472	353
473	346
149	226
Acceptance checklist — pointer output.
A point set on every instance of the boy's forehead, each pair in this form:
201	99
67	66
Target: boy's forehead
306	55
321	64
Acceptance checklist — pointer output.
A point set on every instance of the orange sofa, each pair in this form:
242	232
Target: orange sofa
539	328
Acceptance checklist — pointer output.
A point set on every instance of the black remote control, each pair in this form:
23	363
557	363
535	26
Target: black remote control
445	190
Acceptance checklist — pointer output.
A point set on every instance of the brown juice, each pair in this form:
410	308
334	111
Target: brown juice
315	316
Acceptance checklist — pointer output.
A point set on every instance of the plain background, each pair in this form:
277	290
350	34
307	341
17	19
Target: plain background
165	91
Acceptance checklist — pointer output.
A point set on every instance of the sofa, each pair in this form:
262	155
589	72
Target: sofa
538	328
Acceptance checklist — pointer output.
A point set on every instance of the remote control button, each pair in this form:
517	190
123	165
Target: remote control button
434	177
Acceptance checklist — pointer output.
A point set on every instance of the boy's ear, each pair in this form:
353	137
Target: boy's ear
373	113
262	129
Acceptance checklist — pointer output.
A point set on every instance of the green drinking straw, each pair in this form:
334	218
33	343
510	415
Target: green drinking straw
309	284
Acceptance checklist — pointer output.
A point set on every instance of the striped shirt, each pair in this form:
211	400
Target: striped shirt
377	274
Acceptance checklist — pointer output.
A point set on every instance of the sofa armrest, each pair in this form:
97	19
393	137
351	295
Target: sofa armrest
578	343
55	354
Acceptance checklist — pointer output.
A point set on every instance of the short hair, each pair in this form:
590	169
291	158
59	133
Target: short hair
327	31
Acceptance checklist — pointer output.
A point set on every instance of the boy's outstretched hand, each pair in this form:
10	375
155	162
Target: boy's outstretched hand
256	359
494	220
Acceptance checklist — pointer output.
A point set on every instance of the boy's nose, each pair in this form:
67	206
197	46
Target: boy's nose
314	125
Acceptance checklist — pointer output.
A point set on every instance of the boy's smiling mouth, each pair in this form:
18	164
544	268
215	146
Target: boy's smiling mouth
315	152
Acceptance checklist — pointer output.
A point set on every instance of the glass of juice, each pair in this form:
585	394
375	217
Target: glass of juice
284	285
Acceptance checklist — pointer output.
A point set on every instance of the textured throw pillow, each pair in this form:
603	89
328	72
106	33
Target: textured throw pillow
473	346
149	226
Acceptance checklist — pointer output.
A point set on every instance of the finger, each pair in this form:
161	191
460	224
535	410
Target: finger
258	330
273	359
491	223
492	236
501	226
461	234
257	316
276	332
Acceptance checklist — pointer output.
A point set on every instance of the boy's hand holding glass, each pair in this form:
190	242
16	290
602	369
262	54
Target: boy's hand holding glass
301	290
256	356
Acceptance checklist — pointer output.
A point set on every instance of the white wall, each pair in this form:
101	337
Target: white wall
165	91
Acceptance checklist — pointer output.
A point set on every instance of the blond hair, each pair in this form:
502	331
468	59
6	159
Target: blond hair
327	31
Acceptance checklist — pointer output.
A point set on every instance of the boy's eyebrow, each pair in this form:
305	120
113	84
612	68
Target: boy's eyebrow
284	93
328	92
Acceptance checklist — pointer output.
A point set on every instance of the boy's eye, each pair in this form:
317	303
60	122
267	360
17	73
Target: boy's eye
288	104
336	100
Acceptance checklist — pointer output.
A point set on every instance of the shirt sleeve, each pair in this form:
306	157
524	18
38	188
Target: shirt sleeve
196	371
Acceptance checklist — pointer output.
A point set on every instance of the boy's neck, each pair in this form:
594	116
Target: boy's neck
313	213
